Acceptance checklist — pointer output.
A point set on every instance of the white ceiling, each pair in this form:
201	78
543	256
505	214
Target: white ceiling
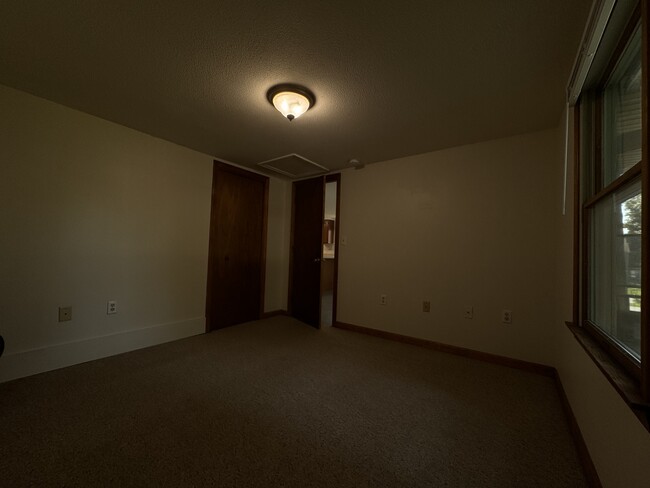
391	78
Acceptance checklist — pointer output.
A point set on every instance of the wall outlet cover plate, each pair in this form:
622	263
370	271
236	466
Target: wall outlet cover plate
65	314
468	312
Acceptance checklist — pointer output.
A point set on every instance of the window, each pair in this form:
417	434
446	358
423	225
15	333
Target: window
613	268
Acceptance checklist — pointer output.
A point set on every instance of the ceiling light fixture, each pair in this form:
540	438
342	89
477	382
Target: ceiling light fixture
291	100
356	164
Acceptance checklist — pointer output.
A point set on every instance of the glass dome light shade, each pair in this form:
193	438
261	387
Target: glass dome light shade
290	104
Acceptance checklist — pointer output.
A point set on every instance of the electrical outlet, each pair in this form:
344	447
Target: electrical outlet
468	312
111	307
65	314
506	316
426	306
383	300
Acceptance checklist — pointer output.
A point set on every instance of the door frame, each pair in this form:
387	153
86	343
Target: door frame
223	166
336	177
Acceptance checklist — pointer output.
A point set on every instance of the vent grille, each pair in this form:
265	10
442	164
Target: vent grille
294	166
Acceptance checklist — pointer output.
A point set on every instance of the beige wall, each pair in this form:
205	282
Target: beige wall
277	245
468	226
482	225
92	211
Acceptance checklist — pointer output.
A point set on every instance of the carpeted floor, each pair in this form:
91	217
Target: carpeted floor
275	403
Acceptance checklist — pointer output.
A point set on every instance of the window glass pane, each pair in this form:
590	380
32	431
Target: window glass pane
622	113
587	173
615	267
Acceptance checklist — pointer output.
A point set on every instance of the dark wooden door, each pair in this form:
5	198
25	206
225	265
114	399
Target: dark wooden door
237	252
307	250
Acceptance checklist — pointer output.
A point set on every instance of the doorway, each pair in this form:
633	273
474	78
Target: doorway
329	253
314	250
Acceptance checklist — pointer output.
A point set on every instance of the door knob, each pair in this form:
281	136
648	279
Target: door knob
317	260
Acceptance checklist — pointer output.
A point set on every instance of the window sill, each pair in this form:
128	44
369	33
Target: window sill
625	384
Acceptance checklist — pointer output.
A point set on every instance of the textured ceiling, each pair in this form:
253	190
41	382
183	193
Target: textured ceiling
391	78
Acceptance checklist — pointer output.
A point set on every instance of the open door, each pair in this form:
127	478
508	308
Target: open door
307	250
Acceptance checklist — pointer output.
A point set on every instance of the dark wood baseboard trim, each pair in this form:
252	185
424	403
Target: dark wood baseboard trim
583	452
458	351
274	313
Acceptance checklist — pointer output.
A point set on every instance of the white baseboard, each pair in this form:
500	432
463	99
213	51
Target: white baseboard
34	361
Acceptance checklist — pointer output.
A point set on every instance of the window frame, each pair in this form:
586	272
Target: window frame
629	377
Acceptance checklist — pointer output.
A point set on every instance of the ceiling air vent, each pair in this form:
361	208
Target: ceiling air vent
294	166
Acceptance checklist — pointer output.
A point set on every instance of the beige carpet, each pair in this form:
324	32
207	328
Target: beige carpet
276	403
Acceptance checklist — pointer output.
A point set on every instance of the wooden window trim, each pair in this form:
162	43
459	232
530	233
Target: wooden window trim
577	205
645	203
619	354
626	385
628	177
